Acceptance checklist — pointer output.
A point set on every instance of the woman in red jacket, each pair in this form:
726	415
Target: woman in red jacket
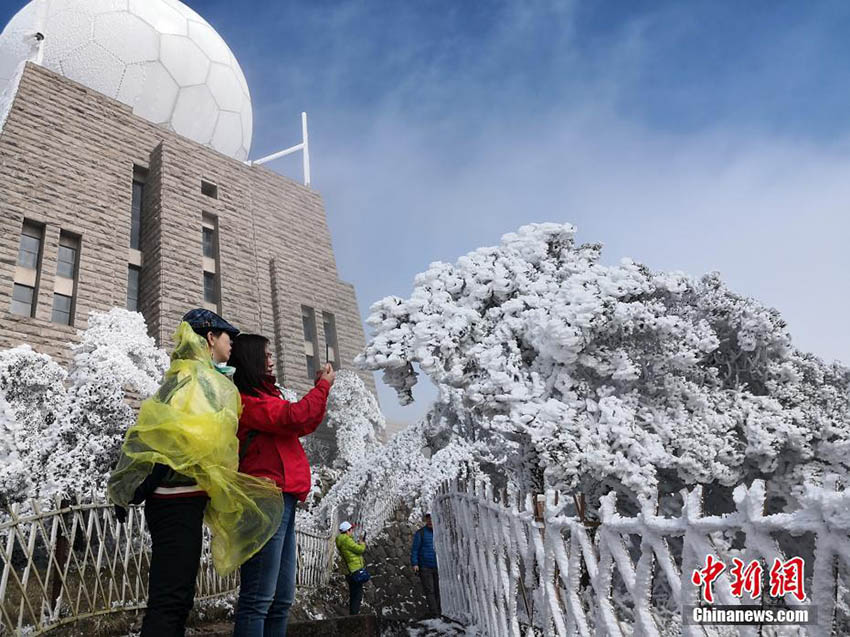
269	429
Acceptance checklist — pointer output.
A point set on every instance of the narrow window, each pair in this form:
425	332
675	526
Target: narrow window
133	288
209	189
65	284
22	299
311	346
209	245
209	242
27	270
67	260
210	295
331	346
136	216
30	248
134	256
62	309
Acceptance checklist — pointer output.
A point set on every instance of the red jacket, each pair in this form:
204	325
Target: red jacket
275	451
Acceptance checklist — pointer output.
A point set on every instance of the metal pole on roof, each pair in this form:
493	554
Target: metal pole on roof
306	143
304	146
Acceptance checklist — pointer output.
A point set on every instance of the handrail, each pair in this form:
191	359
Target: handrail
64	561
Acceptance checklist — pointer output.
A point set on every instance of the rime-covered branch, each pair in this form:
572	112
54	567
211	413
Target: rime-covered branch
579	373
60	432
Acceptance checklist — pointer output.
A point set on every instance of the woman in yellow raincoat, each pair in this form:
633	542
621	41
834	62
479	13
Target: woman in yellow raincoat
182	457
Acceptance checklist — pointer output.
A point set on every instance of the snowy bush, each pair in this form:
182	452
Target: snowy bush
32	397
115	355
399	471
61	432
573	374
354	415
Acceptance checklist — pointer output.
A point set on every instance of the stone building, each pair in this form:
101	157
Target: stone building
100	207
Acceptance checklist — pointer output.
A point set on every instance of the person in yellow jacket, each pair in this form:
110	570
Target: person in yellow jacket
182	458
351	552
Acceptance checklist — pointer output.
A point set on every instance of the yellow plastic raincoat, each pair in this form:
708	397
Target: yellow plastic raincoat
190	425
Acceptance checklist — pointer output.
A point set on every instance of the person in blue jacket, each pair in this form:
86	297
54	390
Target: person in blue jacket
424	561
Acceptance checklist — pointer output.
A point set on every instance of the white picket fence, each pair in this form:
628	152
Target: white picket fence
75	561
509	562
316	552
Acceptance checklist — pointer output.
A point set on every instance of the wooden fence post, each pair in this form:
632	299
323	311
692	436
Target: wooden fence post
60	556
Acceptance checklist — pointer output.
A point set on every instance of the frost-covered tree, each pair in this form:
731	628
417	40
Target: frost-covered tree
32	399
114	357
399	471
355	417
353	413
574	374
12	470
61	432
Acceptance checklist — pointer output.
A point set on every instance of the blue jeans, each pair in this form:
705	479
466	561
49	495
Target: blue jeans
267	587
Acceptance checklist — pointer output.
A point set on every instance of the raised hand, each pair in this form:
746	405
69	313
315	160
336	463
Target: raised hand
328	373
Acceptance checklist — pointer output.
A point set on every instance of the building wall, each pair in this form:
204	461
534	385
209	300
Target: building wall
67	157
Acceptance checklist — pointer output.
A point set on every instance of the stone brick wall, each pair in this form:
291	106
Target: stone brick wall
67	155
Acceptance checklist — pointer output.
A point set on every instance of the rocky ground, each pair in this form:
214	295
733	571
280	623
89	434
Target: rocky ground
425	628
362	626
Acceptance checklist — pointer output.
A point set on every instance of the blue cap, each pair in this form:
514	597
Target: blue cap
202	319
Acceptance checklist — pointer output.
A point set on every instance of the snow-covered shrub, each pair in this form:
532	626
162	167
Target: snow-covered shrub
114	355
399	471
354	415
32	399
13	475
322	479
573	374
62	432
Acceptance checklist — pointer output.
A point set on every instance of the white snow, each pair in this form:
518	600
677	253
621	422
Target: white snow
354	414
62	431
568	373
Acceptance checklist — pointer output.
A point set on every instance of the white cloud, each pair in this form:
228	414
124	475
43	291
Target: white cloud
450	152
770	215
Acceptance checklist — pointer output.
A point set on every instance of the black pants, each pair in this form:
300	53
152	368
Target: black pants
355	595
175	525
431	585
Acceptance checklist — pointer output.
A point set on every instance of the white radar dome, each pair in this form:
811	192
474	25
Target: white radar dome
157	56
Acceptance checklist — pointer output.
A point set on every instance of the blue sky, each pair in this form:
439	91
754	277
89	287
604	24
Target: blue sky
693	135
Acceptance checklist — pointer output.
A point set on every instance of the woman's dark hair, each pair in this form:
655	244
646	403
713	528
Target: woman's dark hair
248	356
